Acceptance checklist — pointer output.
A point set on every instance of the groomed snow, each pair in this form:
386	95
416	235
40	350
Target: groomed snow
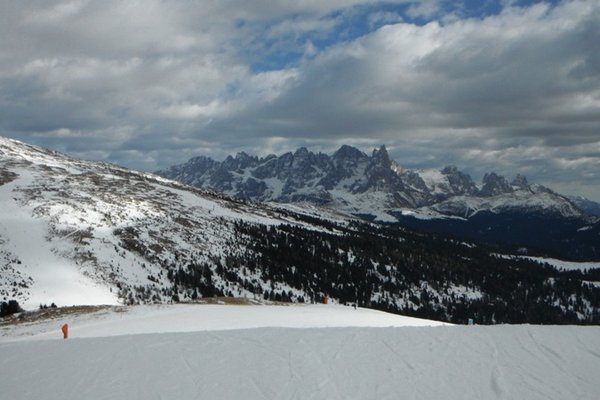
400	362
137	320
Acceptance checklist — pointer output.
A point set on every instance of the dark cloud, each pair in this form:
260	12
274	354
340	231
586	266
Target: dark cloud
149	84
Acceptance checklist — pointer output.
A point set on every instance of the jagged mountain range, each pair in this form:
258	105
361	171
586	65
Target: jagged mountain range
79	232
372	186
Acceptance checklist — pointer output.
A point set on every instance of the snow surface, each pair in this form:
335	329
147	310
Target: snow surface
566	265
435	181
534	200
54	277
401	362
556	263
136	320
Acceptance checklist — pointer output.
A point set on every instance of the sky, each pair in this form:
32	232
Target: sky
505	86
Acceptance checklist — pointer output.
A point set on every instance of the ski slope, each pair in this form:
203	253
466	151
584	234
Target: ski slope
293	352
136	320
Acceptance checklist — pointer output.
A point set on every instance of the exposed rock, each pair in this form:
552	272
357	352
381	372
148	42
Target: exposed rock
494	184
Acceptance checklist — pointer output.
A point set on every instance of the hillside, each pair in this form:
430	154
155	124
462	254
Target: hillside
349	359
77	232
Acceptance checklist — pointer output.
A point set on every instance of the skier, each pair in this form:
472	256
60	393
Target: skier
65	330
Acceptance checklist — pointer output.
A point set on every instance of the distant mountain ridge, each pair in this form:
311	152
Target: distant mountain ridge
352	181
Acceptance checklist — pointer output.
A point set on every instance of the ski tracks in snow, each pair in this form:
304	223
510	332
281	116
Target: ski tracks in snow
451	363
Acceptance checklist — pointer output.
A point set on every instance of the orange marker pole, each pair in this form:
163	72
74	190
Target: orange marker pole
65	331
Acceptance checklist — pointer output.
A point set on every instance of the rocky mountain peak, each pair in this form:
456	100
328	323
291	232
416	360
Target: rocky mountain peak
494	184
450	170
381	157
349	153
242	156
460	182
302	152
199	162
520	182
304	159
243	160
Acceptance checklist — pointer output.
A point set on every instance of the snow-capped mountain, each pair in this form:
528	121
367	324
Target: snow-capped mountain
79	232
352	181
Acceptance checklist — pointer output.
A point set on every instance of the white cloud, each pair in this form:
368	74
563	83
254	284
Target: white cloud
191	111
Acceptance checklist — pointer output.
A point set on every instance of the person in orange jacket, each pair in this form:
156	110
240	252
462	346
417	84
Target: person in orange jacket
65	330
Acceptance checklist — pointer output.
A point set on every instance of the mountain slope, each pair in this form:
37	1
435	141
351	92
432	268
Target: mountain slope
589	206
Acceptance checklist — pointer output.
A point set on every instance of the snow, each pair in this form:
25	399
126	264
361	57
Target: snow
53	279
524	200
206	317
565	265
425	213
315	362
556	263
435	181
368	203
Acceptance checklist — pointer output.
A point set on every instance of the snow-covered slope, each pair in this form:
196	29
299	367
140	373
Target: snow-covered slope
444	362
587	205
534	200
135	320
565	265
77	232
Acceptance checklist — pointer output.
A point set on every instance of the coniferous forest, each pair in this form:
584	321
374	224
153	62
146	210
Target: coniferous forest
393	269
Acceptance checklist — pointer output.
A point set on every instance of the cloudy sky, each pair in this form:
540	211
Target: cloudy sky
509	86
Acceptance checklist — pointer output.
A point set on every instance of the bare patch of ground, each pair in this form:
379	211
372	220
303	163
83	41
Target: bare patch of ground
54	313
